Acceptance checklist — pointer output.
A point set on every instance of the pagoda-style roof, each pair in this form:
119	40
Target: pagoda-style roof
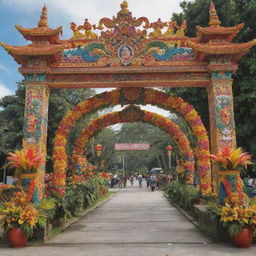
20	53
42	32
234	50
215	30
33	50
225	33
216	40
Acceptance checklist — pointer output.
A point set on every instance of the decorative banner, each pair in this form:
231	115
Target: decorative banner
132	146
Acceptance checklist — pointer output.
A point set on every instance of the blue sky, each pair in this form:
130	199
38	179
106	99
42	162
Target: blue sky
60	13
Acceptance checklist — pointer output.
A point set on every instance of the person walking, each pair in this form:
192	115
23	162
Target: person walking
131	180
125	180
140	181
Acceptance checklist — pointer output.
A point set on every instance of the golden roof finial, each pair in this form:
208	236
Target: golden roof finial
124	7
43	22
213	18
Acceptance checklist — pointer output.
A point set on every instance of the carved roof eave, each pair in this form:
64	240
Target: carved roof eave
30	50
22	53
39	32
228	32
235	50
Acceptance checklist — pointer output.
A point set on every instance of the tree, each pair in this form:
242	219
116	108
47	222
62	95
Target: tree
11	120
230	12
106	138
11	116
141	160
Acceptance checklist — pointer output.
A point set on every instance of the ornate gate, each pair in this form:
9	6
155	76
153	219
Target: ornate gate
129	52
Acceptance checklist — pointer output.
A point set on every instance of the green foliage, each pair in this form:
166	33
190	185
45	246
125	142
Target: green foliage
233	228
184	195
11	120
47	208
231	13
11	117
214	213
7	193
142	161
232	216
77	198
106	138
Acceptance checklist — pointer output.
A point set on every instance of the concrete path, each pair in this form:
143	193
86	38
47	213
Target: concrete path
134	222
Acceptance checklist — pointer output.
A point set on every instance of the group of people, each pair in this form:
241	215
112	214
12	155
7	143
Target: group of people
121	181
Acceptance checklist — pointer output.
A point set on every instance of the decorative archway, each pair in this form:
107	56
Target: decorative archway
141	96
135	114
127	54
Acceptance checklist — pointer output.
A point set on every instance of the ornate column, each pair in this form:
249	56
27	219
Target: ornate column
35	126
35	60
221	111
214	46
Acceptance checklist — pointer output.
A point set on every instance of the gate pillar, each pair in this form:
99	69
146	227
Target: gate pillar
221	110
35	126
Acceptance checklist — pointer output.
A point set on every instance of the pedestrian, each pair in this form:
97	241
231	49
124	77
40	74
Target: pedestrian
148	180
125	180
140	181
131	180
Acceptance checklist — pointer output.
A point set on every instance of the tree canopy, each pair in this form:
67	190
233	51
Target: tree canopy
11	116
231	13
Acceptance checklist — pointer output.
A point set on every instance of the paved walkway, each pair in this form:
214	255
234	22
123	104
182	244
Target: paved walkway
134	222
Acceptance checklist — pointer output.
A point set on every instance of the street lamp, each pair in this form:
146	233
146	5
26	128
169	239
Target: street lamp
123	165
169	151
98	148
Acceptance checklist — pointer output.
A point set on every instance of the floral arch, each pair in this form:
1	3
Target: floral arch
135	114
141	96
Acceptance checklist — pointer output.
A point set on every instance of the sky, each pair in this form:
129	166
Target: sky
60	13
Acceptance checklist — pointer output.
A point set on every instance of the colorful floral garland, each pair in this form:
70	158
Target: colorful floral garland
134	114
144	97
231	188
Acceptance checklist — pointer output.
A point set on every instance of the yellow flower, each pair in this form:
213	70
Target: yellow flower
20	221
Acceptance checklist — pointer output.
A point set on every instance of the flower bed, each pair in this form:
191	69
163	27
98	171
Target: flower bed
16	211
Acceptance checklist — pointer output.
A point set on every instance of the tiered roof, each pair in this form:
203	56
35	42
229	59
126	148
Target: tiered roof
44	40
216	40
42	31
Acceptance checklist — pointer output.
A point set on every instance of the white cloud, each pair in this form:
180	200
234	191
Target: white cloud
4	91
64	11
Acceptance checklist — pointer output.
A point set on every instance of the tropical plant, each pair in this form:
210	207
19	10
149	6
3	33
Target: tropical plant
18	213
78	195
24	161
233	215
7	192
232	159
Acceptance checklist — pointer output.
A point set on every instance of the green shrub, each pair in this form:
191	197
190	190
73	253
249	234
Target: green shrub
77	198
183	195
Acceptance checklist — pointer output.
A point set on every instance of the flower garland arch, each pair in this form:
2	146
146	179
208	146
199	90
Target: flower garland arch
135	114
140	96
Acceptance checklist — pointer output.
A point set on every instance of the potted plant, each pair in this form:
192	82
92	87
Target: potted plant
26	162
20	217
230	163
239	220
